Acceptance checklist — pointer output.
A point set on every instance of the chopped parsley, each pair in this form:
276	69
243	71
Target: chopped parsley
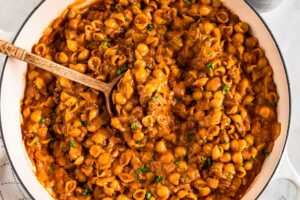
158	179
202	159
210	66
63	147
207	163
83	123
42	120
92	45
188	2
52	138
86	191
72	144
52	168
34	141
118	7
189	90
177	162
134	125
226	89
143	169
148	195
113	6
126	18
139	142
104	44
149	66
177	100
273	103
155	98
150	27
142	5
122	69
210	53
190	136
265	152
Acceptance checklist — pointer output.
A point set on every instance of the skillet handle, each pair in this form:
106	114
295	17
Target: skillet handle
286	172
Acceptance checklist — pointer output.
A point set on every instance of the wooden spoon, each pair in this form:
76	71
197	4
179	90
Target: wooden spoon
60	70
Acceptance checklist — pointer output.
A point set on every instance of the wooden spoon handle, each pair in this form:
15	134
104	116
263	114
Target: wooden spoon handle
10	50
21	54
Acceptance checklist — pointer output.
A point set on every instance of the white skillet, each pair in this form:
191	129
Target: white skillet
13	85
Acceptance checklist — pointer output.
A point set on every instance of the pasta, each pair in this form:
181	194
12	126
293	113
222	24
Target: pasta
195	110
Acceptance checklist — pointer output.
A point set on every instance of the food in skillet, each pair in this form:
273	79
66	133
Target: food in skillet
195	110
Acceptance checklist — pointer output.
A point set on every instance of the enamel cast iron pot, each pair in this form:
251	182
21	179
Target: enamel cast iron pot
13	85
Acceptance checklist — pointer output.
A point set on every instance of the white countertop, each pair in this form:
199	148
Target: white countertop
284	22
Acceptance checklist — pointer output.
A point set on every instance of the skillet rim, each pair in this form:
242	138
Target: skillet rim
247	4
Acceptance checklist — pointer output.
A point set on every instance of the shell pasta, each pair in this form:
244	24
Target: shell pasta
195	109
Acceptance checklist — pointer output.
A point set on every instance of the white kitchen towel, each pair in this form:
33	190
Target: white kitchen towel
10	188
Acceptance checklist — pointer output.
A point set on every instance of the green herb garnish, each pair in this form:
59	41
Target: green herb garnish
177	162
92	45
34	141
126	18
143	169
83	123
148	195
210	66
202	159
142	5
273	103
63	148
265	152
226	89
207	163
118	7
86	191
188	2
210	53
113	6
52	168
150	27
72	144
52	138
122	69
134	125
190	136
139	142
155	98
42	120
158	179
104	44
189	90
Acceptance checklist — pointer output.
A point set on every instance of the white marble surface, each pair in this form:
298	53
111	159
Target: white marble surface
285	25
